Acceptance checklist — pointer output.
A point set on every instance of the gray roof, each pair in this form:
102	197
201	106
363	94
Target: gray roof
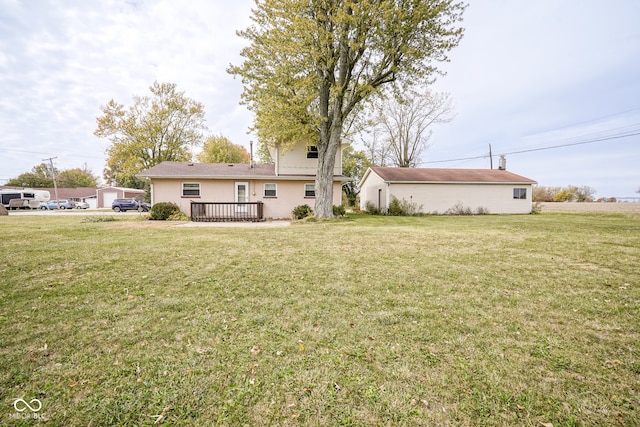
189	170
393	174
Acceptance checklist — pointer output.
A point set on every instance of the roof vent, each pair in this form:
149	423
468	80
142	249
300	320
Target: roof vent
190	164
230	165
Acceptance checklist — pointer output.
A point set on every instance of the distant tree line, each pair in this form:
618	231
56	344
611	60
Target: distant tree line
41	176
572	193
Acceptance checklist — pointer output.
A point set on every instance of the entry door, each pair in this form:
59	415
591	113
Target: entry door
242	196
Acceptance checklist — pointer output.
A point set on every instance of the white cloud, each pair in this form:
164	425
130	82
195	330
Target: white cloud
62	61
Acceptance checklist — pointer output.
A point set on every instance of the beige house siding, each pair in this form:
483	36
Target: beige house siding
438	198
289	194
295	161
374	190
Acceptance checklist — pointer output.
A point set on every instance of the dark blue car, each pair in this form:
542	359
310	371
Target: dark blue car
123	205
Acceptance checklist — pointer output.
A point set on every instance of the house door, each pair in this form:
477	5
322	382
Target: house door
242	196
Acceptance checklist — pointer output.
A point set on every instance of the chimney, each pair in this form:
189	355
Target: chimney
251	154
502	163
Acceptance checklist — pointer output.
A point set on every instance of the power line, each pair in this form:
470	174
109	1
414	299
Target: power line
82	156
575	143
551	147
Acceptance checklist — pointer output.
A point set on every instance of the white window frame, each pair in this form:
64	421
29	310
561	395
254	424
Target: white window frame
275	189
193	188
518	192
313	188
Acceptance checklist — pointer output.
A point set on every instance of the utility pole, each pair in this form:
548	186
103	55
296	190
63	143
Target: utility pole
490	157
53	173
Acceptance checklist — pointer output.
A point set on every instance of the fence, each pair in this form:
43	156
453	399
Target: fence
224	211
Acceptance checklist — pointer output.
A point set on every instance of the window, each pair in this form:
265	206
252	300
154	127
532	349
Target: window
309	190
190	189
312	152
520	193
270	190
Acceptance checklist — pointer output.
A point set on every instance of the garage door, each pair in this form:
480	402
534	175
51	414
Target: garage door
108	198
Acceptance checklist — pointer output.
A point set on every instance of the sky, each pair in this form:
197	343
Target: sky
527	76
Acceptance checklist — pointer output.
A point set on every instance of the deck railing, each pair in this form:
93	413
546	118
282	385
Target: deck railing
223	211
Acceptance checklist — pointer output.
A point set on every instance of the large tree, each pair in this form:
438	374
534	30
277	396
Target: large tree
39	177
220	149
406	121
163	126
78	177
310	65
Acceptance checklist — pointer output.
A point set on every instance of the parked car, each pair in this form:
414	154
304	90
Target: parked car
146	207
62	204
123	205
82	205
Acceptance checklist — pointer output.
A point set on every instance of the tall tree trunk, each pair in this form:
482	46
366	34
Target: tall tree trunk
327	152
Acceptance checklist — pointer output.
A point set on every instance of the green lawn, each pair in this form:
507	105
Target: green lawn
368	321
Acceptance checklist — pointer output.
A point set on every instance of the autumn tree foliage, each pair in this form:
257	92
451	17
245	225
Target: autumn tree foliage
572	193
165	125
310	65
220	149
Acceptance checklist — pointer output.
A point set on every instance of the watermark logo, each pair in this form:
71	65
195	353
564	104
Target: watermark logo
21	405
27	410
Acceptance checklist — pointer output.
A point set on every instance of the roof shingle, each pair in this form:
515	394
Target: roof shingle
394	174
206	170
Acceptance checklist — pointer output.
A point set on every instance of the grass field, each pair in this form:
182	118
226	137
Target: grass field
489	320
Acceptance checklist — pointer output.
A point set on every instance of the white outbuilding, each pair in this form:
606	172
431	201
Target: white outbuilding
439	191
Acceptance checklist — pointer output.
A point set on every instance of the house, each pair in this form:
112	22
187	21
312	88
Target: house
238	191
106	195
435	190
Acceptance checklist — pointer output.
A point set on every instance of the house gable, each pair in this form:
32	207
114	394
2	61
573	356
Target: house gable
302	159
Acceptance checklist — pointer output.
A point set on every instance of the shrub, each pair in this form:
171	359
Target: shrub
481	210
459	209
302	211
536	208
163	211
178	216
371	209
339	211
403	207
